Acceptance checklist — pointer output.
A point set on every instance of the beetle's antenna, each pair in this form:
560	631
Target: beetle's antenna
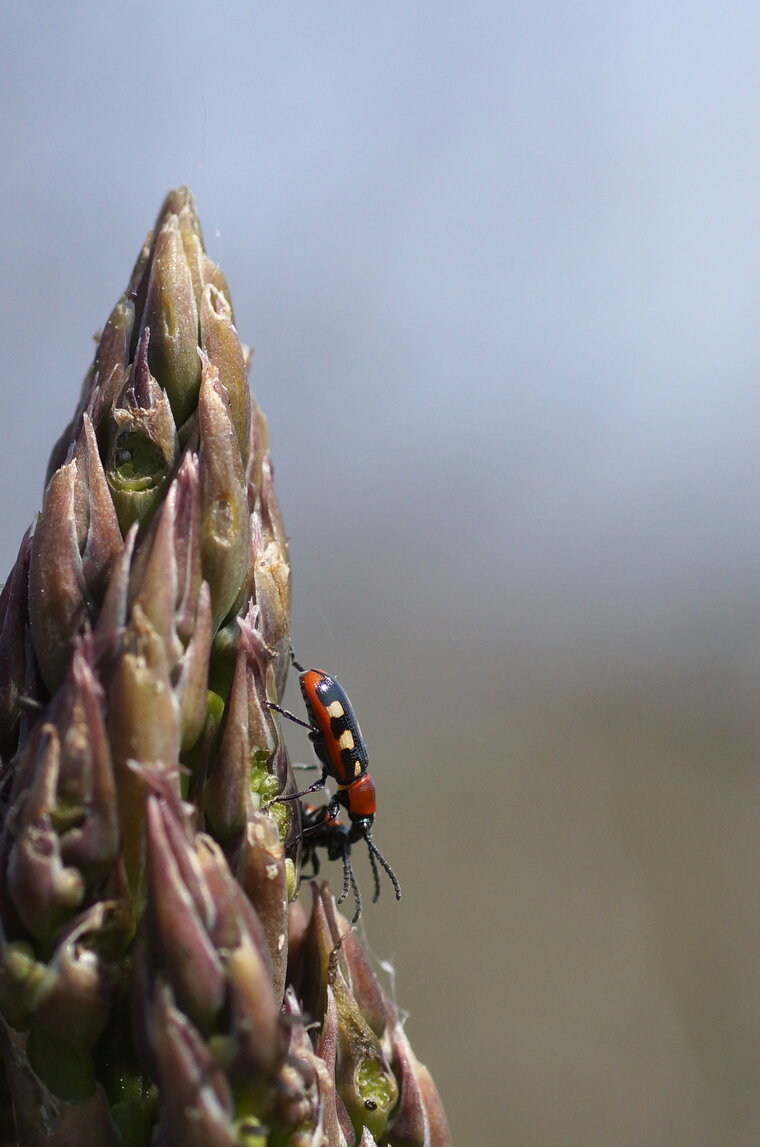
375	873
374	852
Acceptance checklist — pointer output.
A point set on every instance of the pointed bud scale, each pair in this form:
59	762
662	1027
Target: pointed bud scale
364	1078
137	290
154	580
271	774
179	201
299	1091
179	547
58	595
356	967
221	344
419	1119
227	792
258	1039
64	447
178	932
262	876
202	270
258	450
180	825
270	507
363	1075
99	385
85	975
234	918
298	928
438	1132
224	522
44	891
191	685
192	240
316	950
172	316
409	1126
75	544
257	1042
247	745
143	714
195	1102
271	579
259	659
113	612
185	537
144	727
166	584
98	527
214	275
114	345
84	803
110	368
337	1120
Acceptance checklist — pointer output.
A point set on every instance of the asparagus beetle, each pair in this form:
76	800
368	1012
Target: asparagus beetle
338	743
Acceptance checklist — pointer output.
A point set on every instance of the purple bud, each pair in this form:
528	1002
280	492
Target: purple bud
177	919
73	997
43	890
196	1107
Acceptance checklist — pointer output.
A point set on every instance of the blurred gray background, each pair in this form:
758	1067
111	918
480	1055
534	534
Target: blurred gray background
501	267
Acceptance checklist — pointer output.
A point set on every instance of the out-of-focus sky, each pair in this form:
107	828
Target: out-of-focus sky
501	267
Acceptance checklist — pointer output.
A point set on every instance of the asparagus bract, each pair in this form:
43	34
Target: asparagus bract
158	984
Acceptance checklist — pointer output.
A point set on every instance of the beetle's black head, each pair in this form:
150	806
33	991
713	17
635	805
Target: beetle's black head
361	827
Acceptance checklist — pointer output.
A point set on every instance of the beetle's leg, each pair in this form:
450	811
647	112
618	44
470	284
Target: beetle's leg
314	860
349	881
357	895
320	784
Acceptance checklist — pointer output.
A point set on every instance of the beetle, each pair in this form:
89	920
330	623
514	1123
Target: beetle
338	743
